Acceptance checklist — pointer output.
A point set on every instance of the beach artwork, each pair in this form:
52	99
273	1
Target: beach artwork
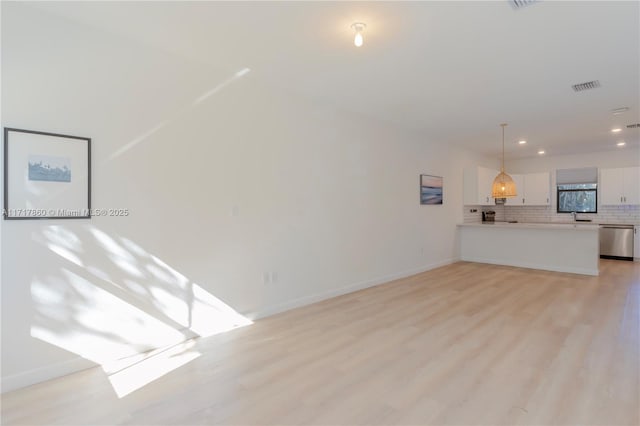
48	168
430	189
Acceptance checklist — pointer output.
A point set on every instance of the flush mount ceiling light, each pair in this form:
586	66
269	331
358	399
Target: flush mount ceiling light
616	130
358	27
541	152
621	143
522	142
503	185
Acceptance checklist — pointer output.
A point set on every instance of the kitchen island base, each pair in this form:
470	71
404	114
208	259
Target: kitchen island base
552	247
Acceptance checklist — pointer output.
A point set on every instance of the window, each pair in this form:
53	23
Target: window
578	197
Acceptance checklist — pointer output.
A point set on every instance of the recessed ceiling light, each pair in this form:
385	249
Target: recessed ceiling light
541	152
621	143
522	142
616	130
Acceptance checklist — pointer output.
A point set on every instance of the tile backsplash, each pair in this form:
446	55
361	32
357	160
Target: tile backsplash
471	216
606	214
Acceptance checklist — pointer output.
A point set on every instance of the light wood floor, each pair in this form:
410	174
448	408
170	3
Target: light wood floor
460	345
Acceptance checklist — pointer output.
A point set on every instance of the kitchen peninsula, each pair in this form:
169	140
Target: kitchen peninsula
561	247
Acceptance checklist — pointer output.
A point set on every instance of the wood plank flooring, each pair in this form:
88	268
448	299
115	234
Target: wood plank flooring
465	344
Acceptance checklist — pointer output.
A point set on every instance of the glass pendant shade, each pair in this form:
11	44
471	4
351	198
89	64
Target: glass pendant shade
503	186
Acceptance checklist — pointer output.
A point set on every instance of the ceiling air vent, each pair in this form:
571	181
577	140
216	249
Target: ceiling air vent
621	110
586	86
517	4
633	126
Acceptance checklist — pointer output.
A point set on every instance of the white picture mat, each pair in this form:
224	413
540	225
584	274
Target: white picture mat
51	196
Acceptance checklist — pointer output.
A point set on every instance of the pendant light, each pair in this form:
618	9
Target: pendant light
503	185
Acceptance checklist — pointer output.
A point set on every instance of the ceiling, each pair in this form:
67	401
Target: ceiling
450	71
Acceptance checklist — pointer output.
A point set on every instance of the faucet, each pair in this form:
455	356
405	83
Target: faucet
574	214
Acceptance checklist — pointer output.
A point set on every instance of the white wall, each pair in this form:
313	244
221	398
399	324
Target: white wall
246	181
620	157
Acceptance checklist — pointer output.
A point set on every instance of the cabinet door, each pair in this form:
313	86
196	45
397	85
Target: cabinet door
636	242
631	179
485	182
520	189
537	189
611	187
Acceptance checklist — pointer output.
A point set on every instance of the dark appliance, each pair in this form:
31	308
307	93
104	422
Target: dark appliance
489	216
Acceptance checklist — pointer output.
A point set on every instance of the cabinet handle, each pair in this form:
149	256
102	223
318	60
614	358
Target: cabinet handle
523	201
620	199
487	199
547	201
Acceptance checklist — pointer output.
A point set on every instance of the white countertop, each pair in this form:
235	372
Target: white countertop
523	225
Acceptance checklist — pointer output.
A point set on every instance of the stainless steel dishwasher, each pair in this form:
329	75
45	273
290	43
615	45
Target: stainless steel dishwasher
616	242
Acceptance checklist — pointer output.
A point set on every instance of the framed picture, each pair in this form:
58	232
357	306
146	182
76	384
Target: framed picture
430	189
46	175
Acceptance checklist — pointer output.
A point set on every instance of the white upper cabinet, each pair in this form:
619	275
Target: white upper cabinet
477	186
611	184
534	189
517	200
537	189
619	186
631	176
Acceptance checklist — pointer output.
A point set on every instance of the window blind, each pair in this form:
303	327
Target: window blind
582	175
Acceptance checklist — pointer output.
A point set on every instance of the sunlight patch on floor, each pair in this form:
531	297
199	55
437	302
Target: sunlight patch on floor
141	373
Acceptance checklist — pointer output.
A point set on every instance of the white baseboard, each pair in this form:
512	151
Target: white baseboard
350	288
553	268
42	374
74	365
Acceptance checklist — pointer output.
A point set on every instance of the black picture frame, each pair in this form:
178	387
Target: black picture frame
62	193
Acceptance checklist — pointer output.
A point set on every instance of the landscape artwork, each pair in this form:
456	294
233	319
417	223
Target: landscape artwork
430	189
48	168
